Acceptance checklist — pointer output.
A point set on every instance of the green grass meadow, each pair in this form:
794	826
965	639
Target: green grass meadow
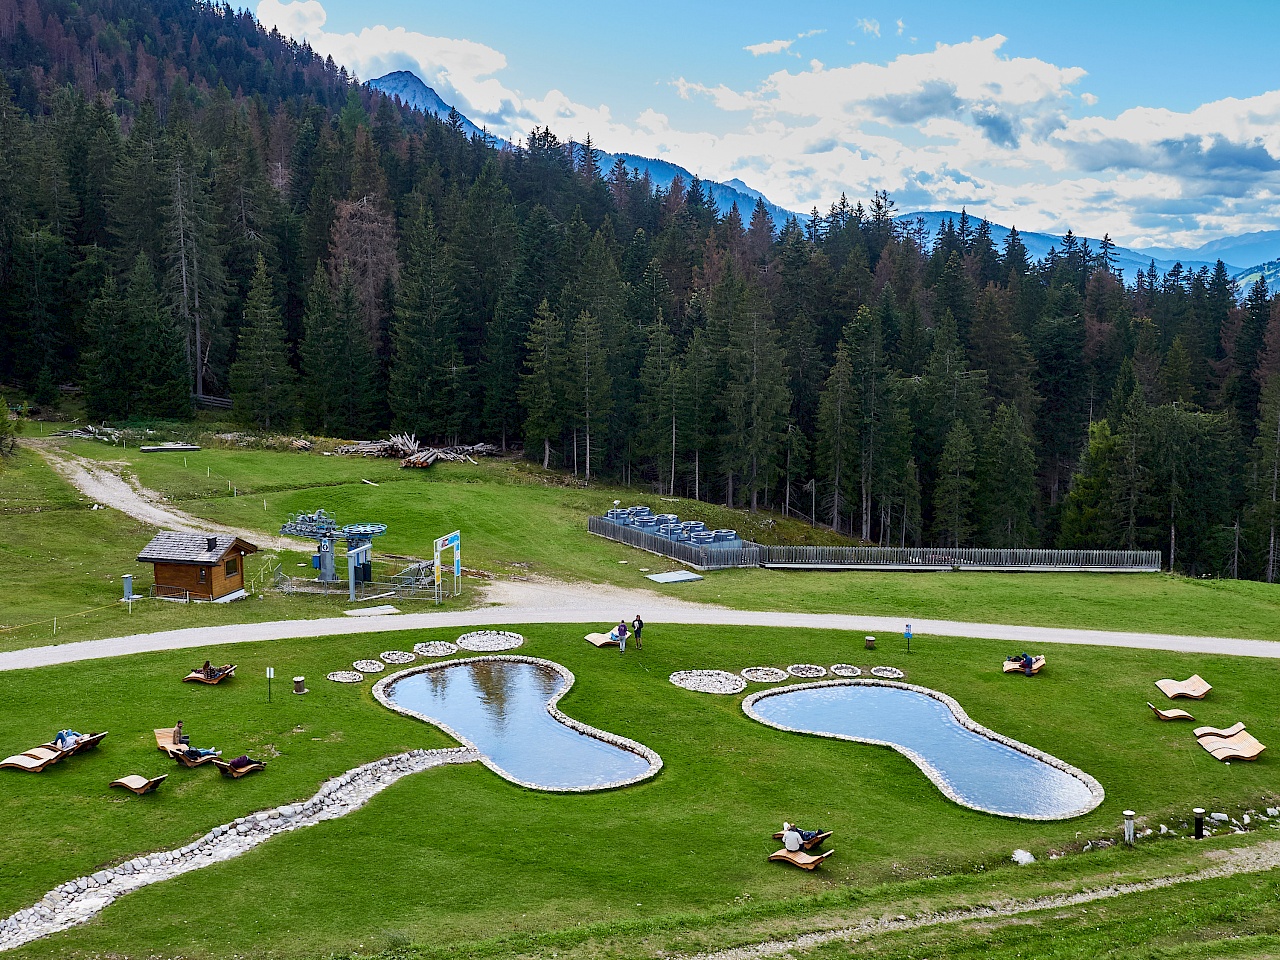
458	859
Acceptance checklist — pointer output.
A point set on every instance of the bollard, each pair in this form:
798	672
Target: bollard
300	685
1128	827
871	643
1199	812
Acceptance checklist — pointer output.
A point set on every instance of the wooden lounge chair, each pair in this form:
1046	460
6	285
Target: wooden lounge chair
139	785
1243	746
235	773
1172	714
1194	687
88	742
601	639
816	841
798	858
181	757
1204	732
29	763
1016	666
219	674
164	741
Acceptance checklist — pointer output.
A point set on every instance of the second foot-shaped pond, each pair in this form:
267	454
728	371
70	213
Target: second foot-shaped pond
970	764
504	707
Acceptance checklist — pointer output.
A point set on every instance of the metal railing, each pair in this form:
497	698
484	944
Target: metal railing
880	558
963	558
699	557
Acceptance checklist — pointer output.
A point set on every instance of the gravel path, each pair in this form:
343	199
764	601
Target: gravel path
97	481
541	601
1255	859
78	901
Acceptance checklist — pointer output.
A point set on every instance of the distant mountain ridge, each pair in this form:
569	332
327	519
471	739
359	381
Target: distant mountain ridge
413	92
1128	260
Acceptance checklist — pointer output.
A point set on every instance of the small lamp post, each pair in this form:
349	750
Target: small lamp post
1199	812
1128	827
907	634
271	672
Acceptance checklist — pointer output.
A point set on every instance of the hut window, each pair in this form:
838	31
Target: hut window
203	571
233	566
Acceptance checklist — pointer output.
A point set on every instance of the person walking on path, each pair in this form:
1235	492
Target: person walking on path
636	626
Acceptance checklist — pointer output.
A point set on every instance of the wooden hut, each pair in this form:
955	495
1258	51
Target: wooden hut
197	566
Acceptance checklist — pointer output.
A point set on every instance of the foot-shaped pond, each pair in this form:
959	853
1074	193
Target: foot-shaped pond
970	764
504	707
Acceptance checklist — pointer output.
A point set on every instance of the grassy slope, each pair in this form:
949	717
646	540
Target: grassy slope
508	516
455	856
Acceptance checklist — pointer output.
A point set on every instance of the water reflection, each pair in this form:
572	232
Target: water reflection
500	706
981	773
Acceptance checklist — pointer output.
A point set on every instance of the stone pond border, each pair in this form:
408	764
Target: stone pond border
655	762
1094	787
78	901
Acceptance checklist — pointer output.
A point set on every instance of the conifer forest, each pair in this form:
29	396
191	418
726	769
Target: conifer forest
192	207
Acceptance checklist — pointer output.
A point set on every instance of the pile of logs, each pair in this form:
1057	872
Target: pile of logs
90	432
410	453
426	456
401	445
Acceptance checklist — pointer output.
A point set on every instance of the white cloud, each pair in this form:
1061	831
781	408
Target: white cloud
868	26
772	46
900	25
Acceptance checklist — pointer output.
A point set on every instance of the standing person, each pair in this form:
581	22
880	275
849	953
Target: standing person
636	626
622	636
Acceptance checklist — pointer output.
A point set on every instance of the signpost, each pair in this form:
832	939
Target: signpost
907	634
443	543
271	672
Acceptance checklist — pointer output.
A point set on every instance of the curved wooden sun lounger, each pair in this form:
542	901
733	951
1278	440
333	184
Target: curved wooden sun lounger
139	785
29	763
235	773
164	741
601	639
798	858
1015	666
1242	746
1171	714
809	844
181	757
1195	687
88	742
1205	732
219	674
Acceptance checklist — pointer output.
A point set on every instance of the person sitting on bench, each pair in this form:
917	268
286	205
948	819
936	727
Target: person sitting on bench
793	838
180	738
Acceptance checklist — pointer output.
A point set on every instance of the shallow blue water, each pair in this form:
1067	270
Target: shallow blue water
983	773
501	707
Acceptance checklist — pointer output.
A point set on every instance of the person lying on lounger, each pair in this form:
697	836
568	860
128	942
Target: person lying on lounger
793	838
242	761
66	739
195	753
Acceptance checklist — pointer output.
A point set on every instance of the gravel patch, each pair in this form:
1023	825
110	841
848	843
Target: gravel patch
369	666
490	641
709	681
396	656
764	674
435	648
346	676
887	673
807	671
846	670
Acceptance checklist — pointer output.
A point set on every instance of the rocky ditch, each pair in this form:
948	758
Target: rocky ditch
78	900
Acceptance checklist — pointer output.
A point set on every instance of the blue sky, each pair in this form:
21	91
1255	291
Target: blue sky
1158	123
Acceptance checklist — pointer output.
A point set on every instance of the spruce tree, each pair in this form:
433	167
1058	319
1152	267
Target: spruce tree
164	378
953	499
590	386
1008	482
839	414
108	368
322	351
543	384
659	408
262	382
428	377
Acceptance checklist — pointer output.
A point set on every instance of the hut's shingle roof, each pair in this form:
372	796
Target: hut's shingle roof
173	546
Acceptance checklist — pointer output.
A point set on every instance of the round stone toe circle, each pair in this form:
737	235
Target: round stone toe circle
709	681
